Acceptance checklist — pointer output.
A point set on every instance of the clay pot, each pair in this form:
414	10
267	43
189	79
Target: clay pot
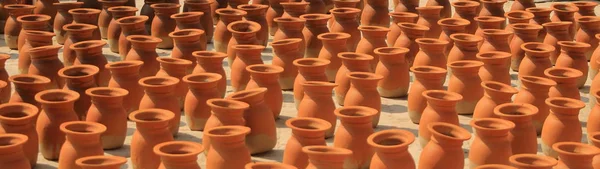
432	52
324	157
492	143
489	22
247	55
495	94
562	124
294	9
394	69
202	87
37	22
90	53
446	11
355	128
534	90
536	59
152	128
11	151
523	136
44	62
309	69
163	24
87	16
492	8
565	12
397	18
125	75
316	25
317	103
575	155
496	40
221	35
256	13
405	6
465	47
426	78
595	140
160	93
105	17
285	51
351	62
306	131
585	8
243	33
83	140
19	118
566	82
532	161
174	154
275	10
147	10
267	165
224	112
443	151
450	26
391	149
267	76
13	27
541	15
186	41
114	30
440	108
333	45
495	66
557	31
206	19
373	38
228	149
429	17
465	81
178	68
107	109
105	162
79	78
375	13
211	62
259	118
291	28
345	20
593	126
130	25
522	5
57	105
34	39
410	32
192	20
467	10
143	48
515	17
62	18
26	87
76	32
594	65
46	7
589	28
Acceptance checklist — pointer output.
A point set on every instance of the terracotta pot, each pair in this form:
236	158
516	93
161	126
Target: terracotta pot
589	28
186	41
536	59
345	20
426	78
105	17
391	149
523	137
221	35
431	52
44	62
285	51
163	24
575	155
202	87
306	131
532	161
192	20
541	15
207	19
125	75
243	33
275	10
375	13
175	154
45	7
318	103
87	16
496	40
82	140
522	5
495	94
373	37
585	8
224	112
79	78
107	109
247	55
594	62
405	6
440	108
160	93
316	25
362	92
90	53
152	128
444	148
259	118
565	12
492	8
309	69
76	32
394	69
534	90
495	66
272	165
492	142
410	32
465	81
37	22
114	30
397	18
465	47
267	76
355	128
143	48
178	68
256	13
211	62
515	17
11	151
291	28
429	17
450	26
351	62
19	118
62	18
488	22
566	82
34	39
593	125
595	140
105	162
467	10
333	45
13	27
26	87
57	105
147	10
324	157
446	11
130	25
294	9
228	147
562	124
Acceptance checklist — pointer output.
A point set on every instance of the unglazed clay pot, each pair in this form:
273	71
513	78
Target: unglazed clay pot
152	128
573	56
76	32
306	131
242	33
275	10
394	69
426	78
362	92
148	11
449	26
291	28
557	31
586	8
541	15
285	51
19	118
106	162
272	165
590	26
355	128
375	13
492	8
79	78
87	16
83	140
177	68
44	62
440	108
228	149
125	75
495	94
31	22
594	138
391	149
143	48
333	44
324	157
267	76
410	32
346	21
465	81
351	62
405	6
594	62
105	17
259	118
317	103
316	24
496	40
309	69
534	90
492	143
247	55
62	18
114	30
429	17
57	105
34	39
532	161
515	17
11	151
522	5
107	109
467	10
160	93
566	82
186	42
221	34
211	62
576	155
489	22
432	52
199	12
130	25
294	8
202	87
465	47
562	124
446	11
495	66
26	87
45	7
175	154
444	150
536	59
90	53
192	20
373	37
565	12
163	24
397	18
256	13
13	27
593	126
523	137
224	112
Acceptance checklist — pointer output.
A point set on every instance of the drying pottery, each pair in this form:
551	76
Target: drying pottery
113	31
576	155
565	12
285	51
267	76
206	18
105	17
492	143
34	39
62	18
449	26
352	134
562	124
333	45
228	149
221	35
316	24
489	22
202	87
465	47
446	11
351	62
465	81
26	87
324	157
523	137
394	69
19	118
163	24
522	5
12	26
11	151
534	90
432	52
557	31
345	20
496	40
467	10
44	62
317	103
76	32
130	25
107	109
391	149
443	151
495	66
373	38
87	16
440	108
541	15
224	112
256	13
125	75
177	68
247	55
175	154
107	162
573	56
363	92
291	28
426	78
375	13
79	78
306	131
143	48
152	128
83	140
57	105
39	22
495	94
160	93
410	32
492	8
532	161
566	82
397	18
211	62
429	17
309	69
243	33
536	59
90	53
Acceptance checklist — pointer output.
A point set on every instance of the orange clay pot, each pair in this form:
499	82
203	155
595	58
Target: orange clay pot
221	35
495	94
522	5
125	75
57	105
292	9
573	56
444	150
515	17
355	128
79	78
152	128
351	62
446	11
12	26
317	103
562	124
541	15
160	93
565	12
449	26
247	55
101	161
594	139
291	28
324	157
6	90
585	9
267	76
532	161
426	78
285	51
130	25
44	62
86	15
391	149
590	26
275	10
492	142
90	53
11	151
107	109
333	44
373	38
34	39
534	90
523	137
575	155
429	17
536	59
316	24
19	118
465	81
143	48
207	19
593	124
256	13
363	92
211	62
410	32
114	30
467	10
242	33
163	24
345	20
76	32
177	154
397	18
191	20
105	17
495	66
465	47
557	31
177	68
309	69
224	112
375	13
83	140
489	22
228	147
259	118
26	87
62	18
38	22
306	131
267	165
202	87
566	82
440	108
432	52
496	40
186	42
594	62
394	69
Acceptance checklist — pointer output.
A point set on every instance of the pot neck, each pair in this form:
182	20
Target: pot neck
357	65
134	29
37	41
83	140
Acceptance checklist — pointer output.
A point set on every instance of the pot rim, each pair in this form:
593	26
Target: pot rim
91	71
404	14
319	83
513	111
93	161
122	9
565	73
588	19
344	10
210	78
373	29
88	11
465	64
326	150
358	56
40	33
30	110
365	112
230	12
391	50
190	33
273	165
233	131
413	26
556	24
494	1
454	22
18	6
465	37
538	80
493	55
37	79
113	92
248	93
541	47
432	41
465	4
86	45
564	7
315	17
430	69
406	137
271	69
499	87
174	61
364	76
37	17
443	95
124	64
189	14
79	27
565	103
594	137
549	161
489	19
231	104
496	32
158	115
252	27
67	4
336	36
585	3
589	150
196	148
314	62
132	20
462	134
287	41
112	1
209	54
166	81
248	47
22	139
146	39
538	10
163	6
319	125
96	128
523	15
493	124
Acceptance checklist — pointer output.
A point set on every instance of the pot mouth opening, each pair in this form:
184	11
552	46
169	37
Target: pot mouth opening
288	41
209	54
431	41
289	20
532	159
315	16
333	36
494	1
39	33
492	124
519	15
454	22
588	19
537	47
33	18
186	32
151	115
230	12
80	127
496	31
465	64
515	109
88	44
79	27
225	103
459	4
391	138
563	102
57	96
248	93
403	14
373	29
499	87
354	56
310	62
165	5
178	148
344	10
538	80
228	131
430	8
35	79
79	71
19	6
326	150
319	83
264	68
249	47
122	9
107	92
130	20
574	44
449	131
143	39
18	111
84	11
355	111
493	55
574	148
563	73
10	139
442	95
413	26
489	19
463	37
244	27
554	24
187	14
174	61
124	64
202	78
96	161
252	6
364	76
394	50
155	81
308	124
584	4
595	137
564	7
428	69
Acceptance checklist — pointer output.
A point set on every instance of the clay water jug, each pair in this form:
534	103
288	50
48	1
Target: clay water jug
79	78
19	118
566	82
11	151
46	7
224	112
209	17
228	148
333	44
187	41
57	108
536	59
325	157
541	15
496	40
247	55
495	94
394	69
221	35
450	26
317	103
273	165
285	51
38	22
105	17
62	18
175	154
465	81
593	126
446	11
87	16
523	136
514	17
465	47
256	13
163	24
309	69
429	17
291	28
444	150
202	87
440	108
375	13
319	6
107	109
373	38
391	149
524	33
495	67
76	32
275	10
44	62
243	33
432	52
467	10
586	8
90	53
532	161
410	32
211	62
114	30
147	10
160	93
130	25
425	78
594	62
316	24
306	131
26	87
557	31
522	5
294	9
489	22
576	155
143	48
562	124
82	140
12	27
193	20
34	39
152	128
108	162
492	143
492	8
178	68
590	26
345	20
351	62
125	75
352	134
565	12
267	76
397	18
534	90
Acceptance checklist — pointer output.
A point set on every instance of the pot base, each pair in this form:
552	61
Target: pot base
548	151
196	124
11	41
113	44
414	116
398	92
